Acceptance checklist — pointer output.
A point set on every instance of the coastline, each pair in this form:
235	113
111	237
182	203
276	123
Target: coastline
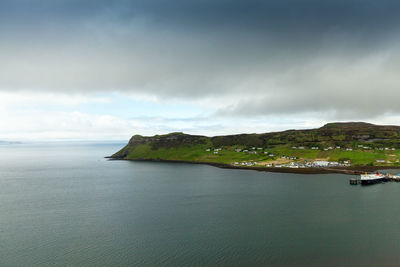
353	170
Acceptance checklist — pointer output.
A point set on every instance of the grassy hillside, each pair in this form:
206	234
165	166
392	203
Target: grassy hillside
360	143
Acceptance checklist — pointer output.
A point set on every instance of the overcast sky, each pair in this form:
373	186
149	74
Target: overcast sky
96	69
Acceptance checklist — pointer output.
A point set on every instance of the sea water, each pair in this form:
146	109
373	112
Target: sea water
65	204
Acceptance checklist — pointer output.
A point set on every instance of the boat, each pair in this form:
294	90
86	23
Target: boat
373	178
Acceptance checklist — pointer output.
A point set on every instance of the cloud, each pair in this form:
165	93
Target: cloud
247	58
345	88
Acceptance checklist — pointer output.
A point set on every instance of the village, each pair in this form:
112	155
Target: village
305	164
274	160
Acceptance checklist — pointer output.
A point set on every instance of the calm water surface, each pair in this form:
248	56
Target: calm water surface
66	205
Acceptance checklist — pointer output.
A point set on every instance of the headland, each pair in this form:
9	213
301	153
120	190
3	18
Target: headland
348	148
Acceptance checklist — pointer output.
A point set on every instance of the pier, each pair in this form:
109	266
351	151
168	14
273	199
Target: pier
354	181
393	178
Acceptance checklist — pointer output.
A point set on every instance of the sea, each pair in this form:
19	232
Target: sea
64	204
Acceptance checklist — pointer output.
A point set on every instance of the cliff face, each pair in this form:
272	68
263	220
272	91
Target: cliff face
160	141
331	134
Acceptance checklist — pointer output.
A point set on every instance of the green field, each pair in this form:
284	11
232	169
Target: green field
228	155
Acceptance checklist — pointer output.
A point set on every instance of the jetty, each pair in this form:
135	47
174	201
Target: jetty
393	178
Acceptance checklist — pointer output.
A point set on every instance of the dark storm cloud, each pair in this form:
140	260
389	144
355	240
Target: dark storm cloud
253	57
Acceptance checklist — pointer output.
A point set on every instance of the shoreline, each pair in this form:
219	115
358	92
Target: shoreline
354	170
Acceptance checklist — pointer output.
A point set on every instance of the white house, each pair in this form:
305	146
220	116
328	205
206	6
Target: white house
321	163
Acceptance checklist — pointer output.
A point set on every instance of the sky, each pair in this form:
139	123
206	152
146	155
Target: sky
106	70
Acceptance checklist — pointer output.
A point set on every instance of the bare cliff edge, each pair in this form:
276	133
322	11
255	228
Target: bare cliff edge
365	146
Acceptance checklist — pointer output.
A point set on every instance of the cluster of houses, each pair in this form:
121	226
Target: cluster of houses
215	151
313	164
336	147
376	148
325	149
287	157
246	163
324	163
255	150
347	149
386	148
252	150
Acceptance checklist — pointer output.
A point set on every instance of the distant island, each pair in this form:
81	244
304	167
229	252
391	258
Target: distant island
9	142
351	147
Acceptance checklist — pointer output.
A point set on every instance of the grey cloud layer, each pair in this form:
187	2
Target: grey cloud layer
253	57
